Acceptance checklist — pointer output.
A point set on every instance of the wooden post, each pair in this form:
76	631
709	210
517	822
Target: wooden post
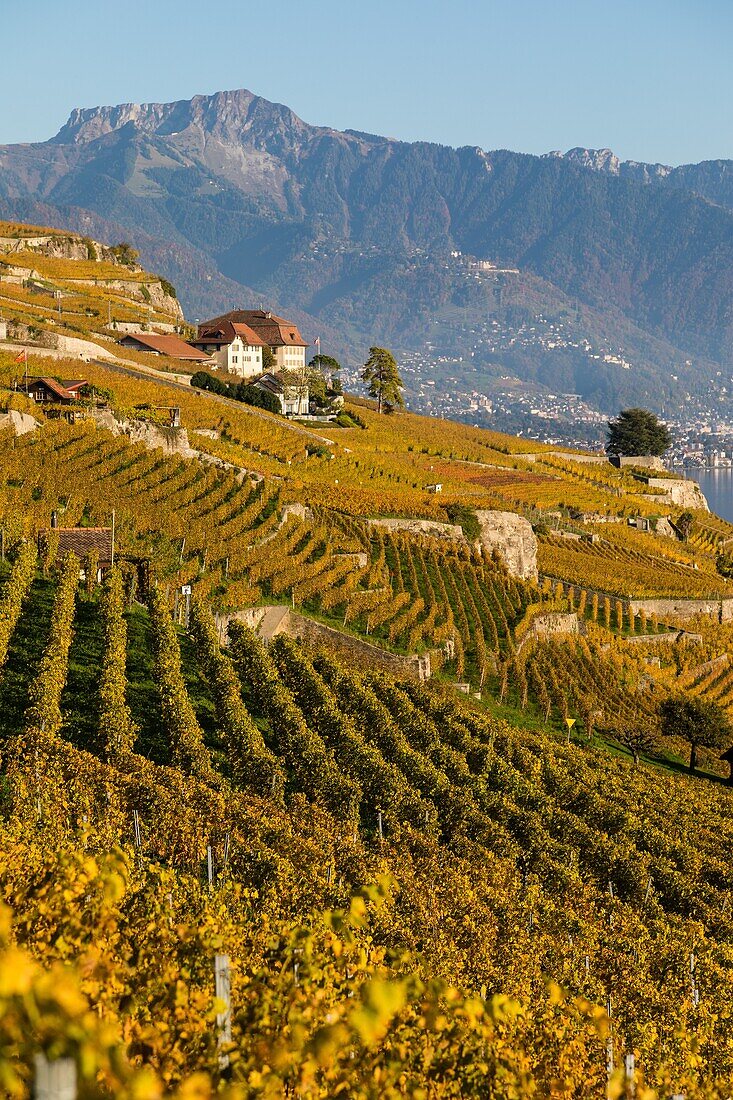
54	1080
379	825
209	865
222	991
693	983
630	1075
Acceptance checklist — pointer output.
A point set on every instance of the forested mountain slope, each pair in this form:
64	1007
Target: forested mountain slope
357	230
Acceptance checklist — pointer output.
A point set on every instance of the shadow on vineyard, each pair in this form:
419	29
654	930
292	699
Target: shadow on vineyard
24	654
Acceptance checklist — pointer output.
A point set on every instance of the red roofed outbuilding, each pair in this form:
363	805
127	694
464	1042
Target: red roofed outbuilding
163	344
51	391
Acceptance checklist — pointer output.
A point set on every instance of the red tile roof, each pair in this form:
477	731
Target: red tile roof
165	345
273	330
59	389
80	540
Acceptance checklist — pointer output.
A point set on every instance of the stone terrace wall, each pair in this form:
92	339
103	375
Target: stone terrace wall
685	609
271	621
721	609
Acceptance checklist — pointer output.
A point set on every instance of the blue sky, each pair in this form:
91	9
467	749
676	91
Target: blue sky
651	79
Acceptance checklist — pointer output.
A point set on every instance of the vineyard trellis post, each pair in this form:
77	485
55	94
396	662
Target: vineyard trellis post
137	832
630	1075
223	993
54	1080
693	982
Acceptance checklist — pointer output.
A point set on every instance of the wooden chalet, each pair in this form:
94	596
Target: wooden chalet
49	391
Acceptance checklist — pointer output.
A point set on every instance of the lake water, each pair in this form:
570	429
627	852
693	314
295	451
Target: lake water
717	485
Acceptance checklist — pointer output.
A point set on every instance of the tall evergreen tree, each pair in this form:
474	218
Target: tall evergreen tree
637	432
382	376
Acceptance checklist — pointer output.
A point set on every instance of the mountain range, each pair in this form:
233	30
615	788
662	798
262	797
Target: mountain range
571	272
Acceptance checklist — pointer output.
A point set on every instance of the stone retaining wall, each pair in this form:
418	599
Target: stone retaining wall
271	621
722	610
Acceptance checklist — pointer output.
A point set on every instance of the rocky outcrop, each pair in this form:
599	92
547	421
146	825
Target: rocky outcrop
20	422
664	527
513	539
687	494
174	441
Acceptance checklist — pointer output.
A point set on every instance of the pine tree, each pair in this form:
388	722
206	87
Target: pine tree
637	432
382	377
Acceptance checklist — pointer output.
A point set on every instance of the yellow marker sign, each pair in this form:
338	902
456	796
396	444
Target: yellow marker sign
570	722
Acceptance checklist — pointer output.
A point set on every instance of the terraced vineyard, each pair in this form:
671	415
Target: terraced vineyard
626	571
513	857
244	870
52	282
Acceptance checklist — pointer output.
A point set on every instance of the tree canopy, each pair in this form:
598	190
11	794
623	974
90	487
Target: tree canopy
637	432
325	363
382	377
697	721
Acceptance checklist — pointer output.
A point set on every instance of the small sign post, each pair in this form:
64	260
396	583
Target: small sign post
186	591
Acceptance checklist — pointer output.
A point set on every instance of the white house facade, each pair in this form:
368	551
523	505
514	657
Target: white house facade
235	348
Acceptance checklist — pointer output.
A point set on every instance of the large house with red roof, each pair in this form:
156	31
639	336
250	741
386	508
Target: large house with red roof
235	347
241	331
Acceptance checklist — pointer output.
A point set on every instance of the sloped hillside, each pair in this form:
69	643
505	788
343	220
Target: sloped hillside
253	865
409	895
57	288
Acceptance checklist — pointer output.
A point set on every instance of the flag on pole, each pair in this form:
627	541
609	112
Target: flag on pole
317	343
22	357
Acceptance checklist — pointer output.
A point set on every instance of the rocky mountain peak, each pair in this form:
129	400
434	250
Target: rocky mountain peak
230	116
605	160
